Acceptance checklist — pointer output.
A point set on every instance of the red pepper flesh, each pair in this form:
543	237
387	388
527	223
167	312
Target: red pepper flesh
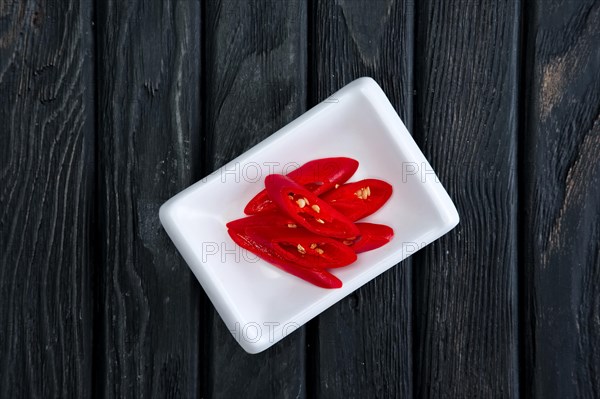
307	209
271	219
302	247
318	176
359	199
318	277
372	236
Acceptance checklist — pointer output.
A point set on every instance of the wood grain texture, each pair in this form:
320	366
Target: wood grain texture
363	344
561	199
255	84
46	189
466	318
148	126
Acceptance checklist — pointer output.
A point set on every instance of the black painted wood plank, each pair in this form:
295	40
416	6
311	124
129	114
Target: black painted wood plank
465	291
255	84
362	345
148	126
46	197
561	200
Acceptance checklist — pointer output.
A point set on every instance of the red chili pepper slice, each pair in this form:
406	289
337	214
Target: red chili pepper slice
271	219
372	236
307	209
303	247
359	199
318	277
318	176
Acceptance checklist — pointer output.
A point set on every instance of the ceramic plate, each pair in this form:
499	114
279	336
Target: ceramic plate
259	303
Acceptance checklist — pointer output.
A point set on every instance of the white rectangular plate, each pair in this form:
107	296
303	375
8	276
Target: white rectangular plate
259	303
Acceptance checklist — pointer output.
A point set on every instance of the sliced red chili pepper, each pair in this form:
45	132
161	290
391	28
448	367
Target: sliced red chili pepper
372	236
307	209
317	176
275	219
303	247
359	199
318	277
271	219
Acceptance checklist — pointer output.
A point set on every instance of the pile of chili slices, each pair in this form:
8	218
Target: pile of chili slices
305	222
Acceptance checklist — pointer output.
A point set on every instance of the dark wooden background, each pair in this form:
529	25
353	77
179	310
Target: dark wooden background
108	108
